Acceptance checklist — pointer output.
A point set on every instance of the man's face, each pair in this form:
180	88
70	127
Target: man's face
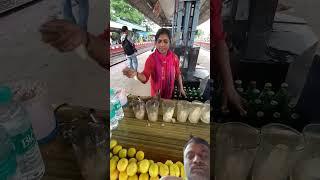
197	162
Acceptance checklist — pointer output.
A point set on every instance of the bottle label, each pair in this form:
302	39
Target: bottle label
24	142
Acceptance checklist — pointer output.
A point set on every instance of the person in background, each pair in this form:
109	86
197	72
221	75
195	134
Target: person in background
129	49
196	158
162	66
221	60
83	13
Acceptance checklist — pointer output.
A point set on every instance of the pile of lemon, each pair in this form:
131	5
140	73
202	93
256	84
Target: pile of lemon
131	165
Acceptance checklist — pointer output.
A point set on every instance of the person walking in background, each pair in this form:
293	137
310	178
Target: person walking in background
129	49
83	13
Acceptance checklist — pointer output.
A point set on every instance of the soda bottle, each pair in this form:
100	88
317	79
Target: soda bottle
276	117
238	83
282	96
249	92
267	88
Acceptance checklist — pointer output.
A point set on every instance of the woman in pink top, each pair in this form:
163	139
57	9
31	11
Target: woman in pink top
161	67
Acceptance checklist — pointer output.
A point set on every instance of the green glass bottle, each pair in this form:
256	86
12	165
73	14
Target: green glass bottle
238	83
267	87
249	92
282	97
260	120
240	91
276	117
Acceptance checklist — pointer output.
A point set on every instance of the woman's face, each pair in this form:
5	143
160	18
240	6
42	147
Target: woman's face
163	43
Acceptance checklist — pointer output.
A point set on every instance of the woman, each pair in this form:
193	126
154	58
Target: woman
162	66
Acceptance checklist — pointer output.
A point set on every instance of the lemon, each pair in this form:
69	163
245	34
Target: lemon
144	176
113	165
182	173
153	170
114	175
132	169
131	152
123	153
159	163
132	160
113	143
168	163
111	155
116	158
179	164
154	178
174	170
116	149
151	161
122	164
134	177
144	166
163	170
123	176
140	155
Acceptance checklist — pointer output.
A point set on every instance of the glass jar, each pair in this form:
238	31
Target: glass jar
138	107
152	107
278	148
183	110
205	113
168	107
195	111
236	147
308	161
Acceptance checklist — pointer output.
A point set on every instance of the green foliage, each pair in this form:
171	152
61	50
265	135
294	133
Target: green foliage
120	9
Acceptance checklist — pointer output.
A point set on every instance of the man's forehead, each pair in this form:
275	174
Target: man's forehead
196	146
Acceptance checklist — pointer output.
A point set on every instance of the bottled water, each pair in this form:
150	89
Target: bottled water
113	111
116	105
8	164
15	120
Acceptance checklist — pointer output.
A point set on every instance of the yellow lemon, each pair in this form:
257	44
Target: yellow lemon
151	161
113	143
123	176
144	166
116	149
116	158
154	178
140	155
169	162
111	155
144	176
182	173
131	152
134	177
122	164
132	169
153	170
179	164
114	175
132	160
163	170
123	153
113	165
174	170
159	163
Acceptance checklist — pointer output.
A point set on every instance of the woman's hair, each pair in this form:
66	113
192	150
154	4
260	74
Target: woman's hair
163	31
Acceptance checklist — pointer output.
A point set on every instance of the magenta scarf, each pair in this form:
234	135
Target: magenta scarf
165	63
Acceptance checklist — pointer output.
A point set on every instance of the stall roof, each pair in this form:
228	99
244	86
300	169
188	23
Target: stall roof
146	8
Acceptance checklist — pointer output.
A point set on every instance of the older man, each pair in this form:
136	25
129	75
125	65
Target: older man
196	157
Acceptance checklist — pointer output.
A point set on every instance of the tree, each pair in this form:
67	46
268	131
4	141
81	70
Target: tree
120	9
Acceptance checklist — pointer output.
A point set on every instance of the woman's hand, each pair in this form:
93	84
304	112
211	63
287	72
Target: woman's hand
231	96
63	35
130	73
182	92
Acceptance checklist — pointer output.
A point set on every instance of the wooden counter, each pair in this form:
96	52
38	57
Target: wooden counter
160	141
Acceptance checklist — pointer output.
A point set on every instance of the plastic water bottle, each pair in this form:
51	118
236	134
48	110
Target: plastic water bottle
117	105
8	163
113	111
15	120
